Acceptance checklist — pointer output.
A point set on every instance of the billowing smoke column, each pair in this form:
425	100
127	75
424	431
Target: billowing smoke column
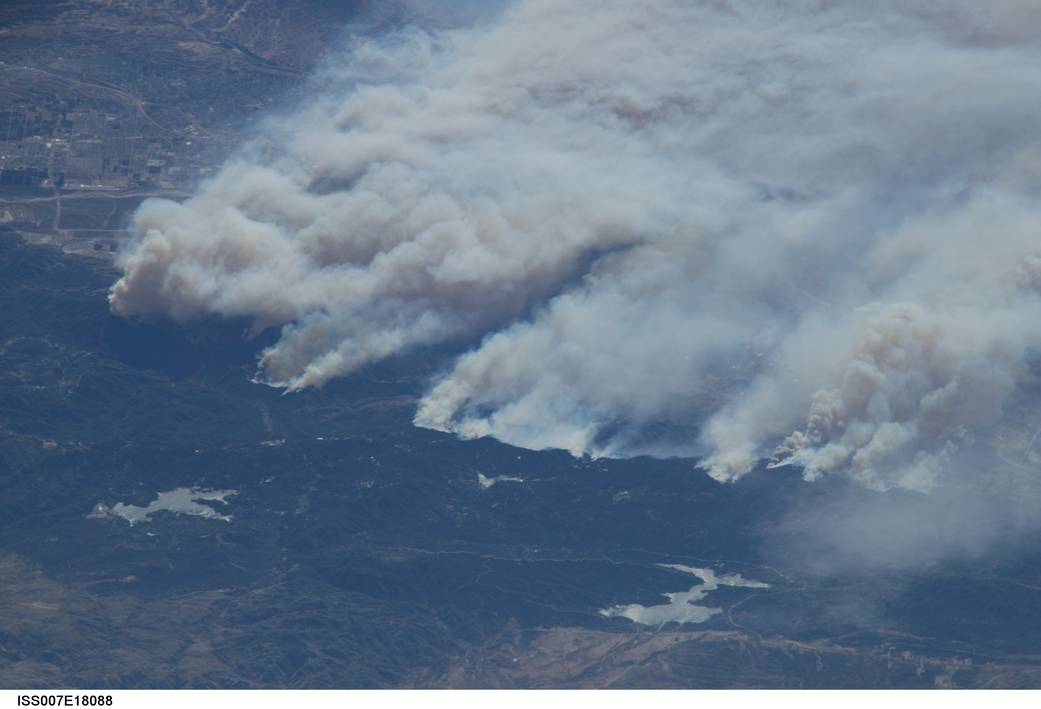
805	232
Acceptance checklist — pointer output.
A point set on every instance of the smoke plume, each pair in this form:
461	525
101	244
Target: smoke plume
800	233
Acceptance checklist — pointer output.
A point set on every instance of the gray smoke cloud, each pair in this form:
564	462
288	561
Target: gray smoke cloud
803	233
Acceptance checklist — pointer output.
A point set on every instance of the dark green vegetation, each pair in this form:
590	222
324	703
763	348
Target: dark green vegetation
364	553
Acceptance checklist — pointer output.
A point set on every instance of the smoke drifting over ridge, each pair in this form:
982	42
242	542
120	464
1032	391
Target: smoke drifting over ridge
806	229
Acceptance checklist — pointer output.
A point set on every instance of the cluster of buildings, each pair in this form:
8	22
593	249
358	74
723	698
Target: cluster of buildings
90	147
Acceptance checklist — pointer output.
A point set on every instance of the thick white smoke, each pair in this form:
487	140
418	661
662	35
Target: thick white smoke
803	232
